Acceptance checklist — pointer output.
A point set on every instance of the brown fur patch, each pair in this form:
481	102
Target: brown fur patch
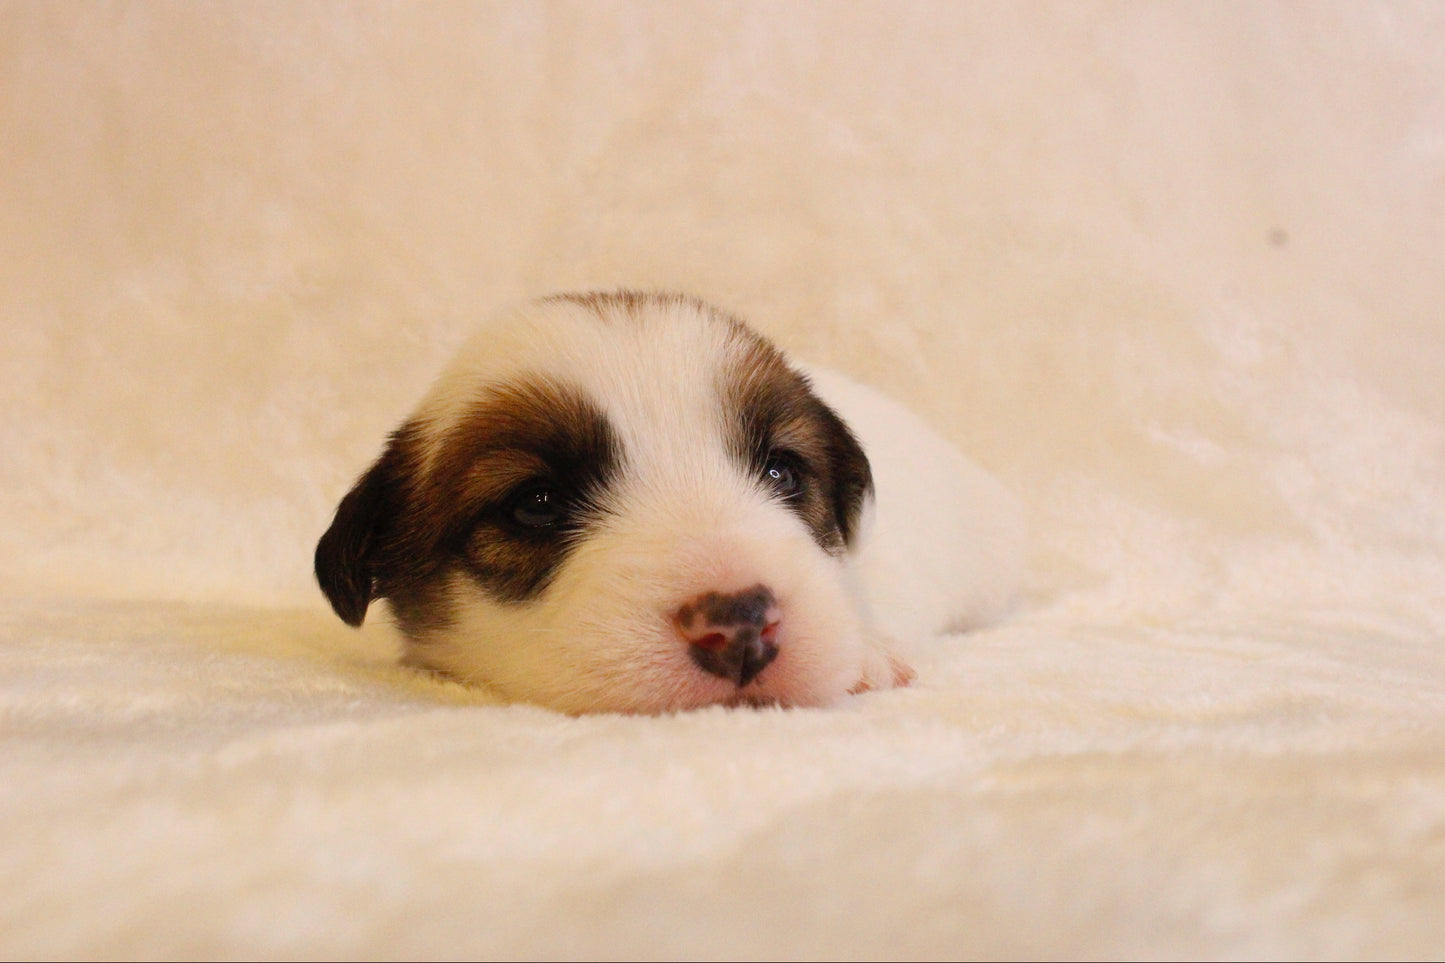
776	414
525	434
404	526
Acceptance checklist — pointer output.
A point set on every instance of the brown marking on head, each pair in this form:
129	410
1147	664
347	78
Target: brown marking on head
470	500
777	419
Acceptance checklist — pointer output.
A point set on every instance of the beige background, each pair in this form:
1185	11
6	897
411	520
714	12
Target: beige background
1172	270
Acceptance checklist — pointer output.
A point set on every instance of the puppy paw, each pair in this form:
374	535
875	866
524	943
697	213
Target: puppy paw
884	669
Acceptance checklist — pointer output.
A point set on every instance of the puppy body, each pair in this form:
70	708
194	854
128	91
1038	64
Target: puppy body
629	502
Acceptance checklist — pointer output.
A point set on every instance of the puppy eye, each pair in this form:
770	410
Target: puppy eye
782	477
536	508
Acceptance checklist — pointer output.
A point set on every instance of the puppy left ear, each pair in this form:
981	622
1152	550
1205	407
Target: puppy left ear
852	475
347	555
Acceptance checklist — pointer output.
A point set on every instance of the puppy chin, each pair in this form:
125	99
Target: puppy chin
603	637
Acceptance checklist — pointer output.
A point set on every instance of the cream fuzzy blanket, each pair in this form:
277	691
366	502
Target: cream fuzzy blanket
1172	271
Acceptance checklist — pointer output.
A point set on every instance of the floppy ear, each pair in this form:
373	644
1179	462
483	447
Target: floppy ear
852	475
347	556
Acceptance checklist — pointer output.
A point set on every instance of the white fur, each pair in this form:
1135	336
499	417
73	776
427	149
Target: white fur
944	550
685	519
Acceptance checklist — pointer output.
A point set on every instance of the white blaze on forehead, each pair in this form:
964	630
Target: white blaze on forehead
652	367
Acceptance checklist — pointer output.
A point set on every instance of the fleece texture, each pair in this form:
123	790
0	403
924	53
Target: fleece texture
1171	271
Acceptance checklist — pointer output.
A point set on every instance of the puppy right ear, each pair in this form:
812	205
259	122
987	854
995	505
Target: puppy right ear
348	554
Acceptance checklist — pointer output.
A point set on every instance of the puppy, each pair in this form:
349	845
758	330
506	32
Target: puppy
632	502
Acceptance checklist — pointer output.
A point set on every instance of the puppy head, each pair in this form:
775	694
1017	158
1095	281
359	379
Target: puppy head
614	502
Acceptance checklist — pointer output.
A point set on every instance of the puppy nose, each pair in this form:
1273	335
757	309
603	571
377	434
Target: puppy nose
732	635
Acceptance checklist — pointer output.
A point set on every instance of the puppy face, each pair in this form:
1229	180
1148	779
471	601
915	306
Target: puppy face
615	502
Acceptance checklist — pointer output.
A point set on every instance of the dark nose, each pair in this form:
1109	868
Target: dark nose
732	635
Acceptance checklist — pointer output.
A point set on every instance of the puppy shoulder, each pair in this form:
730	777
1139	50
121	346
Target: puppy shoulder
945	545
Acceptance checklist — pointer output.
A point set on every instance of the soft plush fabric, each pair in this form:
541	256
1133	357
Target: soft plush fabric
1173	272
